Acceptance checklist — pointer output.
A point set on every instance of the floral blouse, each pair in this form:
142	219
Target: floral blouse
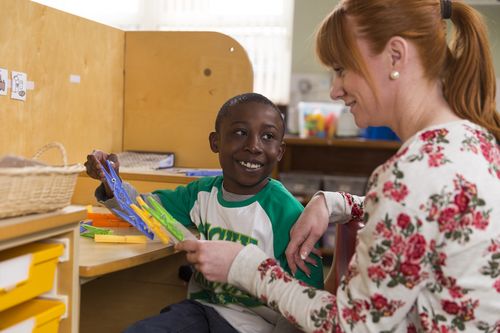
428	258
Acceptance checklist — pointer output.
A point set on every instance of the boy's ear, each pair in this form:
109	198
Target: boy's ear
213	139
282	151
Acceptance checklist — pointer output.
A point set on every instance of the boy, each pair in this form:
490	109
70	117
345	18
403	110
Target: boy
243	205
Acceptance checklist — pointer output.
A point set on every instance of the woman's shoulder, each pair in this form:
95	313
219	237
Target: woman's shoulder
441	157
456	146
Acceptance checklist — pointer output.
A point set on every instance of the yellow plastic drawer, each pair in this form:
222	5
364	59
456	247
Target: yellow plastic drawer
27	271
37	316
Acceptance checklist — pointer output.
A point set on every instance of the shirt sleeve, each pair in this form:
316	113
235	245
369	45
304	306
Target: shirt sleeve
343	207
263	277
112	203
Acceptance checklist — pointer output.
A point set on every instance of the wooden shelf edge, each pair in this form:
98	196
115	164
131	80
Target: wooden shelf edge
347	142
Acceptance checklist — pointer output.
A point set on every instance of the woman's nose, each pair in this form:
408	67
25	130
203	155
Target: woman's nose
337	89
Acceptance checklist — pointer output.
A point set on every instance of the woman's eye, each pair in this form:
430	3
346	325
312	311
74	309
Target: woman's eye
338	71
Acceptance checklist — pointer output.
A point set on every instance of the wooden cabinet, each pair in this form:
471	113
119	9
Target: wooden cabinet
61	225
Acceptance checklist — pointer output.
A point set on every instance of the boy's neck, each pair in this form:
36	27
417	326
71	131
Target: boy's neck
229	196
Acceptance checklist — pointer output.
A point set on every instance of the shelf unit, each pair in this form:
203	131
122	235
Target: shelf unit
353	156
62	225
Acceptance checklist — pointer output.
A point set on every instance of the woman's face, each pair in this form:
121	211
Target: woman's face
354	90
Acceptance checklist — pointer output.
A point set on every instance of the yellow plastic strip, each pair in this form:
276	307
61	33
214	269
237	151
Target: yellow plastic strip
120	239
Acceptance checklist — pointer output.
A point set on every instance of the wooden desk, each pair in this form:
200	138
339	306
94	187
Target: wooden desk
124	283
103	258
60	224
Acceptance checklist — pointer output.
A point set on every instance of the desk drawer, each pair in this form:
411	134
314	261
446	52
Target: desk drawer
35	316
27	271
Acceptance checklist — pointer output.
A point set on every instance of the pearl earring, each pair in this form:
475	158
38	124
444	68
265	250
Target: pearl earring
394	75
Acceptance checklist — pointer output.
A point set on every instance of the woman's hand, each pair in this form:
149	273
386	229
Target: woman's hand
308	229
212	258
94	164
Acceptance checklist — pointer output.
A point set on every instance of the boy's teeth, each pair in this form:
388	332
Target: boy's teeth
250	165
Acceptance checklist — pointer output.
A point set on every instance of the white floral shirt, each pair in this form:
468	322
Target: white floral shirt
428	258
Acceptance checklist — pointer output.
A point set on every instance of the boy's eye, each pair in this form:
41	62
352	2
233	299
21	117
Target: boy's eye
268	136
239	132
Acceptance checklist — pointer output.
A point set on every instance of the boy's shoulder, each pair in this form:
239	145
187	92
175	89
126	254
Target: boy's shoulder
275	194
206	183
278	186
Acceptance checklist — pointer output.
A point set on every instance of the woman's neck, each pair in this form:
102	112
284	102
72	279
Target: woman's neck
424	107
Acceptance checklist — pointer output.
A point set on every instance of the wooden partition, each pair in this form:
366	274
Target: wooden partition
50	45
175	83
149	91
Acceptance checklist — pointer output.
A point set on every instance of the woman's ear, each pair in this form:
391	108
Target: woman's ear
213	139
397	49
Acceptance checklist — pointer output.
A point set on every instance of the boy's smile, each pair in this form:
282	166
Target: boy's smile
249	143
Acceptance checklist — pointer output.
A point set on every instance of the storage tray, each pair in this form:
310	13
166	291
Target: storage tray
27	271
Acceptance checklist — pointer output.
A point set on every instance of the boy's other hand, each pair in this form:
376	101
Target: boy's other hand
305	233
95	161
212	258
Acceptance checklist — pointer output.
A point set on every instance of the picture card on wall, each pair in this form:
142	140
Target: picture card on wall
3	81
18	86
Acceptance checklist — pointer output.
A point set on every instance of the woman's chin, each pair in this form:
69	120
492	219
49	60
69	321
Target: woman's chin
360	122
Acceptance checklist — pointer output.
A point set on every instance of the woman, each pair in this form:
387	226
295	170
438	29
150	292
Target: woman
428	257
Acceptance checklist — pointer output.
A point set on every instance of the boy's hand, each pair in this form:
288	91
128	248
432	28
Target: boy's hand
305	233
212	258
94	164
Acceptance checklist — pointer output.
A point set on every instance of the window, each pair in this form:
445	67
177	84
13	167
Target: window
262	27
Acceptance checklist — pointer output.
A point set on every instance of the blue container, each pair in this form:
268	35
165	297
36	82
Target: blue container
379	133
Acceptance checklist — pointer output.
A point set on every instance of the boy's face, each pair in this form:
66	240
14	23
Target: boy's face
249	143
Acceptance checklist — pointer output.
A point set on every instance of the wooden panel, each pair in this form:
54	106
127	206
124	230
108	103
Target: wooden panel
50	45
175	83
68	282
115	301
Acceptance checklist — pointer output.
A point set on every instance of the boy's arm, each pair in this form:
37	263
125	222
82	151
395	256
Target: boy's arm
112	203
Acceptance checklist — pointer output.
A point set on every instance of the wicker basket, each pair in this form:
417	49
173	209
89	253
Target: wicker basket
39	188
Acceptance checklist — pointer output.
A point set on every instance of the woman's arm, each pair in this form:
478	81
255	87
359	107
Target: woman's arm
324	208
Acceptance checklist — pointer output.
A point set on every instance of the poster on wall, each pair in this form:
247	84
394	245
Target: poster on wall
3	81
18	86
